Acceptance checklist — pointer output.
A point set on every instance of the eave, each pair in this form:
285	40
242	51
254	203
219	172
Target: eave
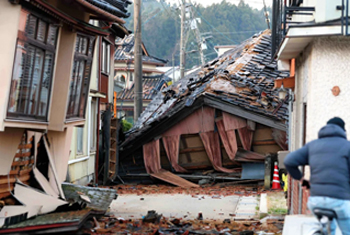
131	61
143	70
100	12
62	16
299	36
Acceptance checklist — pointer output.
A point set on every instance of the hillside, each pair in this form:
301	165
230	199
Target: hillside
221	24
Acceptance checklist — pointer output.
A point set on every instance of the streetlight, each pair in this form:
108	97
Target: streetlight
283	93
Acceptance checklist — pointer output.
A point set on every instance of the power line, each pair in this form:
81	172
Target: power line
153	16
212	25
172	13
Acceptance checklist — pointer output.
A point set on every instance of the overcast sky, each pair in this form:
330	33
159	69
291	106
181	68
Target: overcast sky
254	3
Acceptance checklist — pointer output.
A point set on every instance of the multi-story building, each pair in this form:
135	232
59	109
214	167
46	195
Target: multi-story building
47	51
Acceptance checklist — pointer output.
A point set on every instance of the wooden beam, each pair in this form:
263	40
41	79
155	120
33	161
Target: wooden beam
287	83
233	109
264	142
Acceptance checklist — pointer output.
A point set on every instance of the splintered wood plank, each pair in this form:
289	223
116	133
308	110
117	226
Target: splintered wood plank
23	163
4	179
3	195
174	179
4	188
26	154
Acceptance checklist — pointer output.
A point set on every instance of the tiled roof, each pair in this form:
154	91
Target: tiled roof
125	51
242	78
151	85
115	7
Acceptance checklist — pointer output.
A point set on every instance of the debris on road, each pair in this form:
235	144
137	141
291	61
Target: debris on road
215	191
113	225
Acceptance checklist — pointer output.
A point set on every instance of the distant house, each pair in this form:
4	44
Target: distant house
124	74
222	116
311	37
151	85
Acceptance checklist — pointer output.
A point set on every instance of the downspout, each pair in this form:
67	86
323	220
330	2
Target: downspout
301	168
98	113
290	149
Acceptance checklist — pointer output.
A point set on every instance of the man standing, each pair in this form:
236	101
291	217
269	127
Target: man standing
329	161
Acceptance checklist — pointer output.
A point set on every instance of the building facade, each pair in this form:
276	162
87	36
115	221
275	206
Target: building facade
47	55
312	38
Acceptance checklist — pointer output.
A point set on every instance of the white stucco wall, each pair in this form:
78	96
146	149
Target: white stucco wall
9	21
322	65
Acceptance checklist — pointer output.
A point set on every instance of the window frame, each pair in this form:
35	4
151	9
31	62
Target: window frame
106	57
25	42
80	140
79	57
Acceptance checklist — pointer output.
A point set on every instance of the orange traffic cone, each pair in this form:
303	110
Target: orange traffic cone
276	178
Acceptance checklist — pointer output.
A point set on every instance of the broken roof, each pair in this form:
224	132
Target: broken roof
151	85
240	82
125	51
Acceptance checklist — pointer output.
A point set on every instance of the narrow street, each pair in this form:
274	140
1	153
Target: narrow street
159	209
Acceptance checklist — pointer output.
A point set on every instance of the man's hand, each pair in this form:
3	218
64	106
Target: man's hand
305	183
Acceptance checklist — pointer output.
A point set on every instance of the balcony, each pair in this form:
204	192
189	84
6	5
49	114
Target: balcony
295	25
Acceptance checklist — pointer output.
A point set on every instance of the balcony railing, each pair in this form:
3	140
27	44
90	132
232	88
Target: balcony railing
284	17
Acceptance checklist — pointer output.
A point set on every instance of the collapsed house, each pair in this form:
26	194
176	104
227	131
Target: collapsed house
224	116
48	54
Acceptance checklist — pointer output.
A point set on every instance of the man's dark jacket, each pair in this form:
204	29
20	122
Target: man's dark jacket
329	160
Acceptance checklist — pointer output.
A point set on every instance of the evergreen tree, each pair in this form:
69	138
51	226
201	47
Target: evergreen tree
229	24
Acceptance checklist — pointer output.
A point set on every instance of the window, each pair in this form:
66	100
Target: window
93	125
79	83
106	56
33	66
80	138
121	78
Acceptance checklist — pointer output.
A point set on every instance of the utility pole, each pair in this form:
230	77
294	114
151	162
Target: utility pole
137	61
198	36
182	40
267	16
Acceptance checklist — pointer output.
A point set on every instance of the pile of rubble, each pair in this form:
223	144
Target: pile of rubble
153	223
222	189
